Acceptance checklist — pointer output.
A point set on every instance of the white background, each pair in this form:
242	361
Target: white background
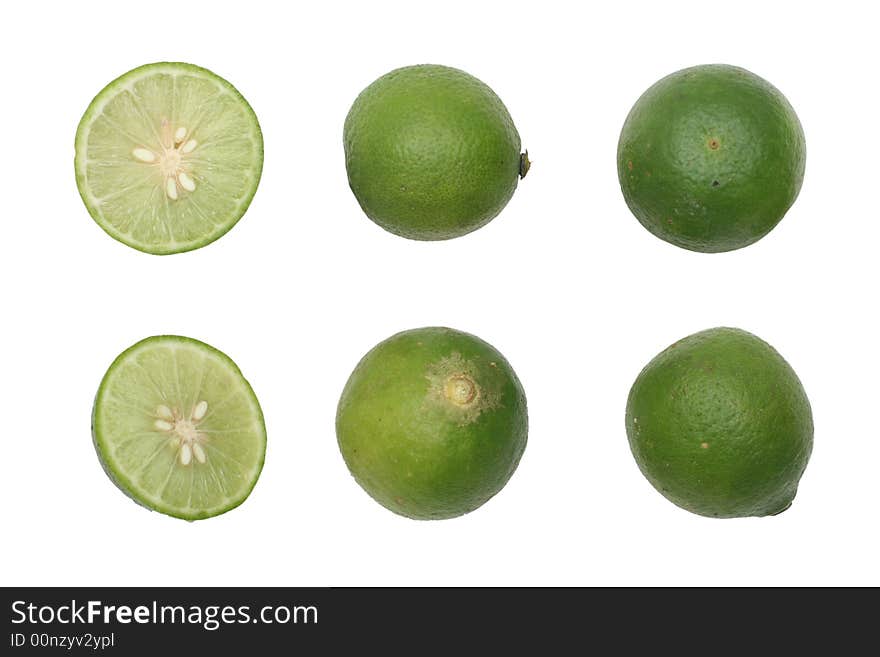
565	282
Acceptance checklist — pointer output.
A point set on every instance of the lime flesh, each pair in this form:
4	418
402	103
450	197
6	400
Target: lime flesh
178	428
168	157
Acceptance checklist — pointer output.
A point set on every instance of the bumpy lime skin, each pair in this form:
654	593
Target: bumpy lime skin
711	158
411	449
431	152
720	425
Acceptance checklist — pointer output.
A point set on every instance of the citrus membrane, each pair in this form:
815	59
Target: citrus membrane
178	428
168	157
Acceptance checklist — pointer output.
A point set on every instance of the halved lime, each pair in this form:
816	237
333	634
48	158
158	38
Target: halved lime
168	157
178	428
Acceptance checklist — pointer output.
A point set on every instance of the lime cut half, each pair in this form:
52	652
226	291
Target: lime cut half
178	428
168	157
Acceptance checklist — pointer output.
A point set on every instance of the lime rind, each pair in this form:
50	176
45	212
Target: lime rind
431	152
95	110
121	476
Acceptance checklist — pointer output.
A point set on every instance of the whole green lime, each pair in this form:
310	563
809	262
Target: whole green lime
720	424
432	423
431	152
711	158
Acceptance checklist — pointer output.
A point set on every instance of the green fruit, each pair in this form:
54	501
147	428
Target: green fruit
720	425
711	158
168	157
178	428
432	423
431	152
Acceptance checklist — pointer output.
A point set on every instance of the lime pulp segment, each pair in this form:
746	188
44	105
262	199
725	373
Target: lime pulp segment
168	157
178	428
